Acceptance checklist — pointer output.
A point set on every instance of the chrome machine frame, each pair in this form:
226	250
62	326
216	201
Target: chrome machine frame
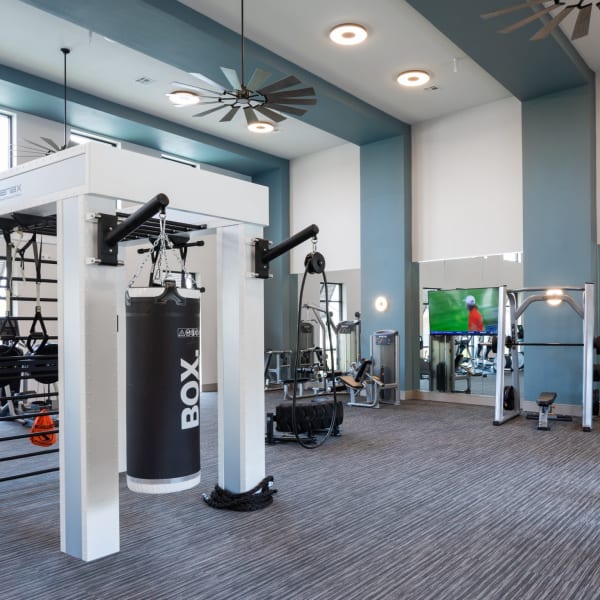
585	311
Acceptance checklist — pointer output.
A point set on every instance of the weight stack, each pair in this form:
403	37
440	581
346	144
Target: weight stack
163	389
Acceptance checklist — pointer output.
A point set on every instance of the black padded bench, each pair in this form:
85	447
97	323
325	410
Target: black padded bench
545	402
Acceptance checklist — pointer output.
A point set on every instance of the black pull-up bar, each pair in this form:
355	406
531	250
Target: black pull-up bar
139	217
111	232
263	255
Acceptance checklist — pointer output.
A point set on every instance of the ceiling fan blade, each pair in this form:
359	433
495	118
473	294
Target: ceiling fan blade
250	116
299	92
270	114
286	100
45	148
232	77
258	78
209	82
51	143
582	25
210	110
510	9
527	20
287	109
29	149
230	114
549	27
186	86
279	85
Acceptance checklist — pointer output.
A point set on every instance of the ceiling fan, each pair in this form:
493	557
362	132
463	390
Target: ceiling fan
580	29
35	149
272	101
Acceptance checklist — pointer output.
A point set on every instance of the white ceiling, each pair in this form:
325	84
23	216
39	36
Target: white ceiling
400	38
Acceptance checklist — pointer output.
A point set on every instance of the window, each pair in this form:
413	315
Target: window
82	137
5	141
177	159
335	304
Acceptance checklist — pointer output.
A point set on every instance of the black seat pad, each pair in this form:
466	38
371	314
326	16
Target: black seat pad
546	398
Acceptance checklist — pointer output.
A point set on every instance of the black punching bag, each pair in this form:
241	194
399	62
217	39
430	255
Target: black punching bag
163	389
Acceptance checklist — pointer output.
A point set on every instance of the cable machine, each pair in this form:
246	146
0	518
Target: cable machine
508	397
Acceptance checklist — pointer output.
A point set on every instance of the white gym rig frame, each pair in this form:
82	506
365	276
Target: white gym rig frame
76	184
584	310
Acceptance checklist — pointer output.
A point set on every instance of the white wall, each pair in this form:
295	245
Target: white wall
467	183
325	189
488	271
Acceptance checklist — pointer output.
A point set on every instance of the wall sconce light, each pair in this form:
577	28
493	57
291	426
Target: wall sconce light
553	297
381	304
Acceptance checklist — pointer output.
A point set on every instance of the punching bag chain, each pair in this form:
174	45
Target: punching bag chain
161	245
159	256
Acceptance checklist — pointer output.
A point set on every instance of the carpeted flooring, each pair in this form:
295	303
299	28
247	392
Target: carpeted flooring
417	502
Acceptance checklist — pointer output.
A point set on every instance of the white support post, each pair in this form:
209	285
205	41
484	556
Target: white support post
588	356
499	405
89	483
241	405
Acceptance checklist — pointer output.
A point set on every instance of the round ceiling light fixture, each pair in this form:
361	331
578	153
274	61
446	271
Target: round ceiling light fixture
413	78
261	127
183	98
348	34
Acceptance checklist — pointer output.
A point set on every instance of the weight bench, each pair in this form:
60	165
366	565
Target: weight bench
545	402
355	384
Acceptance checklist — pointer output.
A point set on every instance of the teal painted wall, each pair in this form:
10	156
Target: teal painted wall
386	250
281	289
559	231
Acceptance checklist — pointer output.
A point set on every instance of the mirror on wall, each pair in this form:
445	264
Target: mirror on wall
464	364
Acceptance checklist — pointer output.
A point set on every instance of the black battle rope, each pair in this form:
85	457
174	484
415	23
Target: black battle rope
260	496
332	424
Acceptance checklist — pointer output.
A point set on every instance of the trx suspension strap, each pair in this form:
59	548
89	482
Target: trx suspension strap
9	266
38	319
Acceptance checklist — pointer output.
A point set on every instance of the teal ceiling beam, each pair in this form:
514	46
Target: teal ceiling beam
528	69
177	35
23	92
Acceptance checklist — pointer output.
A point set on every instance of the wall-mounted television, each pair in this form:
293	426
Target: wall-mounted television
464	311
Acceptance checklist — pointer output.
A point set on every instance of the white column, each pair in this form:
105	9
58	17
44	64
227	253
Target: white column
89	484
241	406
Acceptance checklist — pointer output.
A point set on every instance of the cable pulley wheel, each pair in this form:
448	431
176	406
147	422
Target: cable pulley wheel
314	263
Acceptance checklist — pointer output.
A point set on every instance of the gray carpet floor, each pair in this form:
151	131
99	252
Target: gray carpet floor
421	501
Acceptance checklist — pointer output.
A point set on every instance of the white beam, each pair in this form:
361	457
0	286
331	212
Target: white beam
241	418
89	480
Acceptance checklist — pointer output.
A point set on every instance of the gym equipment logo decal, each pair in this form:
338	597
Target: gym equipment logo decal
188	332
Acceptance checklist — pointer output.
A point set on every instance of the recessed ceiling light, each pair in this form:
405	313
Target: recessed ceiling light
348	34
413	78
183	98
261	127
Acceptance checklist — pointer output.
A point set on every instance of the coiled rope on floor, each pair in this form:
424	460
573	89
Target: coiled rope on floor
260	496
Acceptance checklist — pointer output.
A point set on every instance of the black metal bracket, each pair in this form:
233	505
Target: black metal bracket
111	232
263	255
